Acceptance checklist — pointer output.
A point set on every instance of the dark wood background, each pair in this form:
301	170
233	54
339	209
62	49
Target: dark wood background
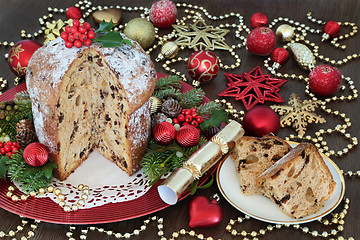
23	14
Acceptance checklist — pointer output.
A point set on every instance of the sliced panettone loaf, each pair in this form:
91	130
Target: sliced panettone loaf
300	182
253	155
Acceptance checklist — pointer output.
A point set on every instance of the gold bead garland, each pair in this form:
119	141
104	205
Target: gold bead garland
57	191
20	228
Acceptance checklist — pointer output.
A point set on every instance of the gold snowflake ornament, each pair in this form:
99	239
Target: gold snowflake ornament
201	36
298	113
54	29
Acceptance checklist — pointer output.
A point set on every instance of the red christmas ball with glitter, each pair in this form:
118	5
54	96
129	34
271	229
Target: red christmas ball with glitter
258	20
331	29
260	121
188	136
36	154
20	54
279	56
203	66
73	13
163	13
325	80
261	41
164	133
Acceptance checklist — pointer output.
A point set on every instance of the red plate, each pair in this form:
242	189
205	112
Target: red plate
46	210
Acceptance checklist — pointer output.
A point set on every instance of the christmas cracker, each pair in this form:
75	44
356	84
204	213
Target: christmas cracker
200	162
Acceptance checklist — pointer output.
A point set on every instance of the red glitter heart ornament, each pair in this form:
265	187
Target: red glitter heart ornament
204	213
253	88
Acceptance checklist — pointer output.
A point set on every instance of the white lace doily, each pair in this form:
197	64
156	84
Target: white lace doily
107	183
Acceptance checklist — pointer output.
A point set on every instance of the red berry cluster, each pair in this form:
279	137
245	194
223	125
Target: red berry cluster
188	117
9	148
78	34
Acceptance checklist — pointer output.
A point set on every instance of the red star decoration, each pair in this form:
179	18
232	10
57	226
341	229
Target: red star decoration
253	88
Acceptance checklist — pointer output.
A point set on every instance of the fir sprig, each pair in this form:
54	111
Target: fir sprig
208	108
20	110
192	98
32	178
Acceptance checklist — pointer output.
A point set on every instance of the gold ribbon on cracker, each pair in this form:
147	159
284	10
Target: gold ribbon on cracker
200	162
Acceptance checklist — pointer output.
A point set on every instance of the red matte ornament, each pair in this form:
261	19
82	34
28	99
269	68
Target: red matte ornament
36	154
330	29
203	66
164	133
204	213
253	88
188	136
325	80
73	13
20	54
279	56
260	121
258	20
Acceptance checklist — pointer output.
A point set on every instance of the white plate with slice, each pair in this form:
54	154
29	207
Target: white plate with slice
261	207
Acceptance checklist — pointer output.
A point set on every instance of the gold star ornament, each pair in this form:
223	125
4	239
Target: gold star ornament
54	29
200	36
298	113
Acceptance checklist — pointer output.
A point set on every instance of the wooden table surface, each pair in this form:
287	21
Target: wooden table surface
22	14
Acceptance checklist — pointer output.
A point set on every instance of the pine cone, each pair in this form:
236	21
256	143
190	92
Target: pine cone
25	133
158	118
171	108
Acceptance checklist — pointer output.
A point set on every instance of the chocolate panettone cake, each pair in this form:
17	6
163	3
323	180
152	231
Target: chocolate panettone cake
91	98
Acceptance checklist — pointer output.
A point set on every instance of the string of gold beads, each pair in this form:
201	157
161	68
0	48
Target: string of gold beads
337	219
136	232
230	109
3	84
20	228
57	191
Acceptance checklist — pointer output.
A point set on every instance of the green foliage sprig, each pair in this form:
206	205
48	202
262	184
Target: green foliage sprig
109	38
32	178
20	108
159	159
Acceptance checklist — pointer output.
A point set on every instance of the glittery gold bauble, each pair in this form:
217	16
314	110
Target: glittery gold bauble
168	50
285	32
140	30
303	55
113	14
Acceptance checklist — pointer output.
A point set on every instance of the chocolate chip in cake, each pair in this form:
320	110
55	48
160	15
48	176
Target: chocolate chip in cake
124	164
275	158
99	62
80	69
90	58
302	154
58	103
61	117
307	159
277	174
117	142
285	198
58	147
77	100
265	145
277	142
101	94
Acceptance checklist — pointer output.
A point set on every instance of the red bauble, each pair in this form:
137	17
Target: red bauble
73	13
258	20
261	120
203	66
204	213
261	41
325	80
163	13
164	133
330	29
20	54
279	56
188	136
36	154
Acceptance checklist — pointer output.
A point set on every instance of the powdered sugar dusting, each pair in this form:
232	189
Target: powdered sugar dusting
138	136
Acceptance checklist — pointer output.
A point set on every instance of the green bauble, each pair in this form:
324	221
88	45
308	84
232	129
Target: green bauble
140	30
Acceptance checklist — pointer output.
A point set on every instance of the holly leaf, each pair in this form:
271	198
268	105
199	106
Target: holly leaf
112	39
3	166
48	168
105	27
216	118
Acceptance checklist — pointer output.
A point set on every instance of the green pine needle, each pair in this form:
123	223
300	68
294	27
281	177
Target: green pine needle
192	98
207	108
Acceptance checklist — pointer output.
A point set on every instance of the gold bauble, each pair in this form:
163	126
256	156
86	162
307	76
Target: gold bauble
168	50
285	32
113	14
155	104
140	30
